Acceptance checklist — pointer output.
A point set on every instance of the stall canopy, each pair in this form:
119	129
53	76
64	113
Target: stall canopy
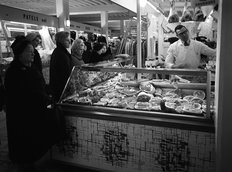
88	11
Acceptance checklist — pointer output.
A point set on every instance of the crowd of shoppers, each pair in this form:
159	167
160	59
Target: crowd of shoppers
30	125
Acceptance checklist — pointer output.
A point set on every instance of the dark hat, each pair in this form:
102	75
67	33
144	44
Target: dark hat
19	45
98	46
101	39
31	36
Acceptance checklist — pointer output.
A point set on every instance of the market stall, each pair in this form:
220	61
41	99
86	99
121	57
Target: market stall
120	119
223	85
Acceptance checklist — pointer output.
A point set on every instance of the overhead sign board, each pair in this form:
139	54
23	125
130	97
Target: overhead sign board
17	15
84	27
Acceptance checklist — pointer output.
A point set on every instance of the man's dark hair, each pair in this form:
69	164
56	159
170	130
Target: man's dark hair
178	27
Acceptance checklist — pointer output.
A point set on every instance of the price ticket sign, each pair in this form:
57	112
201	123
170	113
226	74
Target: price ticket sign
199	3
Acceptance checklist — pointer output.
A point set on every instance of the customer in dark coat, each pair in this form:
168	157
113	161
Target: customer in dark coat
96	55
61	64
35	40
26	107
92	39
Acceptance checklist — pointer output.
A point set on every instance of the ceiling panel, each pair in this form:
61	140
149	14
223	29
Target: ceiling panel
48	7
40	6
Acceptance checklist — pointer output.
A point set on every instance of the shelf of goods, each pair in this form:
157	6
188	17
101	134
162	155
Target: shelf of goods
101	104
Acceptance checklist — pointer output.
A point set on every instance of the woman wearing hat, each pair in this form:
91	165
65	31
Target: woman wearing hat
26	107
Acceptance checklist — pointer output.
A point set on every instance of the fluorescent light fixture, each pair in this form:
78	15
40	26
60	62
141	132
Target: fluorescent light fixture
12	22
68	23
21	29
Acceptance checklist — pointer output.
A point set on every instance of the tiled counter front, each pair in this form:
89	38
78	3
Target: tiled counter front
119	146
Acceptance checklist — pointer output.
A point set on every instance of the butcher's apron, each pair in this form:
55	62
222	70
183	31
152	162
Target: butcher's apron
189	56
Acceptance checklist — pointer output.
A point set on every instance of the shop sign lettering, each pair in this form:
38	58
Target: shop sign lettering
33	18
30	17
44	20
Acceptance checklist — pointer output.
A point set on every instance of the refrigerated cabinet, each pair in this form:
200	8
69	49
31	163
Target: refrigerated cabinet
132	119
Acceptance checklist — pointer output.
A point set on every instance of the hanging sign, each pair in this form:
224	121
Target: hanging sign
199	3
84	27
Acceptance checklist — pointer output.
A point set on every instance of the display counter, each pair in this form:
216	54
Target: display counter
120	119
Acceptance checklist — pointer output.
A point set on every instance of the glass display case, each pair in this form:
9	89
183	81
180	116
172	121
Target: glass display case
141	111
169	92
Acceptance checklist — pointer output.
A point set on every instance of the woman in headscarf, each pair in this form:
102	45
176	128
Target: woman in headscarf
27	118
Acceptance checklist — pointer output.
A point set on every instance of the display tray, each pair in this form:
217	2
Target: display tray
112	94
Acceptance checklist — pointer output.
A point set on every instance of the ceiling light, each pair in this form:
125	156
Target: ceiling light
68	23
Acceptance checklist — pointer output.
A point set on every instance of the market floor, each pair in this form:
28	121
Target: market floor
44	165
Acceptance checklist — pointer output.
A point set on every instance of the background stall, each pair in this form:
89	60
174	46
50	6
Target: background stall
16	22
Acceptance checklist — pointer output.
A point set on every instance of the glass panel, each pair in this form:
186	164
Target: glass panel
138	89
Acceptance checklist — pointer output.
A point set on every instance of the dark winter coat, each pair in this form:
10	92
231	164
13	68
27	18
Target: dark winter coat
95	57
87	53
61	65
26	113
37	60
2	94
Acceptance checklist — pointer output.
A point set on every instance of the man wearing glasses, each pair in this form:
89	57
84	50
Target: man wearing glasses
186	52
